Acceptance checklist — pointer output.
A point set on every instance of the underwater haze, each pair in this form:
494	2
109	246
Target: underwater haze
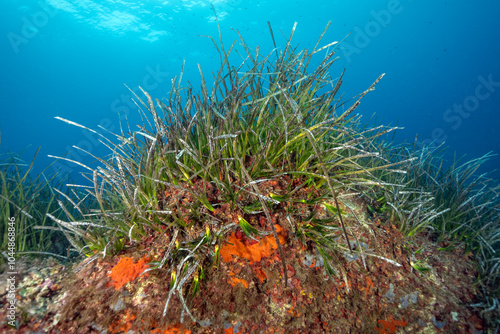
74	59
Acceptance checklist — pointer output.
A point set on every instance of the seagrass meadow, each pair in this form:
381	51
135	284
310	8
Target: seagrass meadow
261	202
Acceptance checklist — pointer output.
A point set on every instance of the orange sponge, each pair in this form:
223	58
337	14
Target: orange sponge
254	252
127	271
389	326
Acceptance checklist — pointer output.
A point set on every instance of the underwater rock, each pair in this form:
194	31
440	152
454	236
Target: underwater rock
49	300
39	289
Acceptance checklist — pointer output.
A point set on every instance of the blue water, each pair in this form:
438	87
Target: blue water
71	58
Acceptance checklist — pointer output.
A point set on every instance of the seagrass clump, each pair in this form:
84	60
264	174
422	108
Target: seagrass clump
202	163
